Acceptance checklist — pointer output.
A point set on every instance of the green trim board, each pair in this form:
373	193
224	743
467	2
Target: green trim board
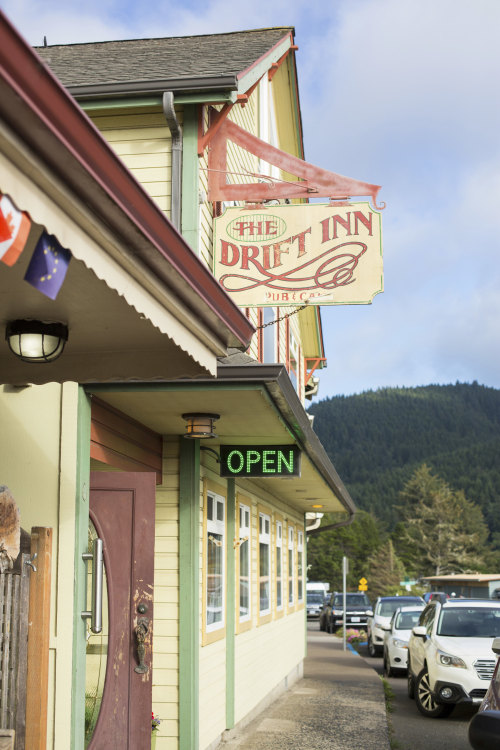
80	582
230	606
256	72
189	585
190	207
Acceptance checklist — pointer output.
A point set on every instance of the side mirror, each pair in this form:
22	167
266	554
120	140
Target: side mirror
484	730
385	627
420	631
496	646
369	613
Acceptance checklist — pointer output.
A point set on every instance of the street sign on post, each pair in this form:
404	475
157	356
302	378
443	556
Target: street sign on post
363	585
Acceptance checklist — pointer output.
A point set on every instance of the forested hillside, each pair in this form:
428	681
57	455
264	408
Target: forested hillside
376	440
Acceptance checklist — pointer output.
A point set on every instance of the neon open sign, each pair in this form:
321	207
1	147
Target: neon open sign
259	461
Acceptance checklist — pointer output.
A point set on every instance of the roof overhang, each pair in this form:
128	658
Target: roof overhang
258	406
138	302
224	85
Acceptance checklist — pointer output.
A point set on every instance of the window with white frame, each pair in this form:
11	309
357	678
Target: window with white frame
291	564
300	567
215	569
279	565
264	563
244	567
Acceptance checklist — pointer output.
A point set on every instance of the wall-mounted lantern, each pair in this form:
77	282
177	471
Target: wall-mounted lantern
200	425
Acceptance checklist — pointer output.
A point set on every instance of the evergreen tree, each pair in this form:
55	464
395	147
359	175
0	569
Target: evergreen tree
441	531
326	549
385	572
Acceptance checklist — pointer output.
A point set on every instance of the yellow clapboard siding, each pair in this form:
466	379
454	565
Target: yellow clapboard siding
129	120
164	644
166	594
159	160
152	175
113	135
169	614
167	544
266	655
164	676
168	696
142	147
167	664
165	561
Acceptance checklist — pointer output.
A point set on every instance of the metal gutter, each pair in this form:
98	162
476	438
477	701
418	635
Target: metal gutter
52	125
189	83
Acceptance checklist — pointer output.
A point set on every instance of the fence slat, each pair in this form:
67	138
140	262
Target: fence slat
38	640
22	664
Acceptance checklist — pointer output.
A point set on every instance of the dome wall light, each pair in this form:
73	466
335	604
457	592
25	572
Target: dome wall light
35	341
200	426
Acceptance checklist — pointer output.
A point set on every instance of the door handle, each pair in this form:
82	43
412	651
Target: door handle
95	614
141	630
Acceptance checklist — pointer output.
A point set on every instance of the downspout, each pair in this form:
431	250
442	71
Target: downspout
176	133
330	526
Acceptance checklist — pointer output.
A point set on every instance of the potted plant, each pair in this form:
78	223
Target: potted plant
155	725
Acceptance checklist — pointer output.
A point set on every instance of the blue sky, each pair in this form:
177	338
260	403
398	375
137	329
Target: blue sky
401	93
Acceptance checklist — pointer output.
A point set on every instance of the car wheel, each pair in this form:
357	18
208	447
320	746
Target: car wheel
426	703
321	626
331	627
371	648
388	670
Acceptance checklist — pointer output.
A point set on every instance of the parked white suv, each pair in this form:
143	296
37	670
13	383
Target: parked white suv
380	617
449	654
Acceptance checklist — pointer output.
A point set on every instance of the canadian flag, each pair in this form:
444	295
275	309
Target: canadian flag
14	229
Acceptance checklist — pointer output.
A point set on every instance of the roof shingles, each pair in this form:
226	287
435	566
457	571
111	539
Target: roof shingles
170	58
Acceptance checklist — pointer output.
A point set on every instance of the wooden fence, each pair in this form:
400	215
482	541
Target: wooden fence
14	604
24	646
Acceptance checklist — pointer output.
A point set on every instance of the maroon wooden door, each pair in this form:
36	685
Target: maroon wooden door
122	508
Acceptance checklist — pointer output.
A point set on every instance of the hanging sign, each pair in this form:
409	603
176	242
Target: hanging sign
259	461
324	254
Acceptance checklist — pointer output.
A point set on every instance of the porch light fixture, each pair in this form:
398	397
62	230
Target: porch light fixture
200	425
36	341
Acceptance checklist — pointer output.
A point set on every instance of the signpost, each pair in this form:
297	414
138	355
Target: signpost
322	254
345	570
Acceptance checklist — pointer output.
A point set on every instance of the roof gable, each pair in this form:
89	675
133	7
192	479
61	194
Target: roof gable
159	60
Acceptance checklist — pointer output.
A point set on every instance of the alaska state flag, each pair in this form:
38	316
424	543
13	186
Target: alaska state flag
14	229
48	266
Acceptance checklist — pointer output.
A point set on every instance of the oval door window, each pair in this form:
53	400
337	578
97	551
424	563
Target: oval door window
96	653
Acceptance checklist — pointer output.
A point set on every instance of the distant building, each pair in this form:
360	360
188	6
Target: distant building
468	585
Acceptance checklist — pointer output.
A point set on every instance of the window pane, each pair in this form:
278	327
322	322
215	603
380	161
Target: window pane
214	578
264	576
220	511
244	580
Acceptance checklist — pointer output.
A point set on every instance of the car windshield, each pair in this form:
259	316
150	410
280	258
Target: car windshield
387	608
471	622
407	620
352	600
315	597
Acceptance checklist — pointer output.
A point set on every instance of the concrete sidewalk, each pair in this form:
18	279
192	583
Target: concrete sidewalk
338	705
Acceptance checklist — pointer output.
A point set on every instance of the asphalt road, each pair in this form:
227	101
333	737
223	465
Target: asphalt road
411	730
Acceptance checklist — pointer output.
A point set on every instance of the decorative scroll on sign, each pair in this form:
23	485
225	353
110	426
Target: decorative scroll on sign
324	254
